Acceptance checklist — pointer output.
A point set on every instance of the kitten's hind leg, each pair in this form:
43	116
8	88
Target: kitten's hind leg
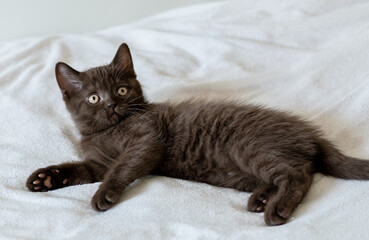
292	187
63	175
260	197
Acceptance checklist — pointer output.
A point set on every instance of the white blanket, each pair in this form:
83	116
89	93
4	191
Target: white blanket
310	57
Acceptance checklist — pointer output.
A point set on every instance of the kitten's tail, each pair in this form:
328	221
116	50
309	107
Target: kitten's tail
338	165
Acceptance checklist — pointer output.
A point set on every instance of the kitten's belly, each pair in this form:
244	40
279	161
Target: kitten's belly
210	165
199	171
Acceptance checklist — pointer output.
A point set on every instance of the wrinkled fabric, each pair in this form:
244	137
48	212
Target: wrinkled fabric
308	57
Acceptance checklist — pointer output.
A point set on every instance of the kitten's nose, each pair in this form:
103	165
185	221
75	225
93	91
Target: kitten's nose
112	105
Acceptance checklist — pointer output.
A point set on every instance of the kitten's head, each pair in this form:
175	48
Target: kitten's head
103	96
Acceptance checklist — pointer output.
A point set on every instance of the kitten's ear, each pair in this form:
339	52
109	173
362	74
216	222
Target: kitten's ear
123	60
68	79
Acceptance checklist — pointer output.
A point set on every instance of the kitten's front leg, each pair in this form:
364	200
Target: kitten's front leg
127	169
63	175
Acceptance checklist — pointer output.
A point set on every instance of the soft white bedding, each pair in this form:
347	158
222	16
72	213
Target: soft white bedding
310	57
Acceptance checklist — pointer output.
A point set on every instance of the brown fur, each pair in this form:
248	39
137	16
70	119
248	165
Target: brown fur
245	147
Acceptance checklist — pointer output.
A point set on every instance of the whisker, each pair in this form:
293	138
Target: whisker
139	105
138	109
133	114
134	99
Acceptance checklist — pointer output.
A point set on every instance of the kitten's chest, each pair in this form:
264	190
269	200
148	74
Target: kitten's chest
101	149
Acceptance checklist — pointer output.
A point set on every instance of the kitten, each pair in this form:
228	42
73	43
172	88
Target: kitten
244	147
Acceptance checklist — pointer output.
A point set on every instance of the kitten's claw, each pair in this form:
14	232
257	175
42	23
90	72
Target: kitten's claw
45	179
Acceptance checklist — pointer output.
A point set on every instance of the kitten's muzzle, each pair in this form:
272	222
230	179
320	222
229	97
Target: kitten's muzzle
110	109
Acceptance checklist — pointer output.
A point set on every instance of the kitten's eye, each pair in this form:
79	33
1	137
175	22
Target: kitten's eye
122	91
94	99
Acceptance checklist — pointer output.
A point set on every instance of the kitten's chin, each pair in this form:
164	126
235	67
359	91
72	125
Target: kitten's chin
115	118
100	124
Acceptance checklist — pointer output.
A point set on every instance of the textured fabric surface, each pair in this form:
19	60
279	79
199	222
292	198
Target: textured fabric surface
309	57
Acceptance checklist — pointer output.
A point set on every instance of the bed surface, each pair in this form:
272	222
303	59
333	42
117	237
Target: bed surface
308	57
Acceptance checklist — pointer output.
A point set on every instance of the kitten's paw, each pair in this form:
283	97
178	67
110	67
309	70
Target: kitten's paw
259	199
275	215
257	202
45	179
104	199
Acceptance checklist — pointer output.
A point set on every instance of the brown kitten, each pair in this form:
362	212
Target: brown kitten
248	148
